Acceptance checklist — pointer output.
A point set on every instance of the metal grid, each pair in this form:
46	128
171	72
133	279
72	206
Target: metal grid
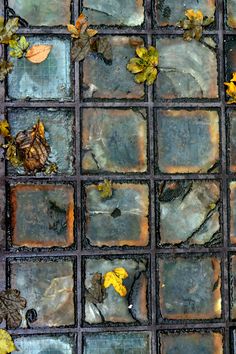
149	31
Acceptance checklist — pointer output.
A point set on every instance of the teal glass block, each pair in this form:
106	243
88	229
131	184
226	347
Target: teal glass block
43	12
189	213
117	343
111	12
48	286
46	344
49	80
192	342
59	129
114	140
187	141
190	288
169	12
103	80
187	69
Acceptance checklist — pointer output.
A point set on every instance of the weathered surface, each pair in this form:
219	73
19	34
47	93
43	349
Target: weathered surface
120	220
48	287
45	344
112	12
43	12
169	12
114	140
231	13
187	69
189	213
58	132
188	141
2	196
42	215
112	80
49	80
193	342
233	212
232	120
114	308
190	288
233	287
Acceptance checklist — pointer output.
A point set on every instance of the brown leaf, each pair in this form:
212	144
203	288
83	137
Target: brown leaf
38	53
33	147
5	68
10	305
102	45
96	293
81	48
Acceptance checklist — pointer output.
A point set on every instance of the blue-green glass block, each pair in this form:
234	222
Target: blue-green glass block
117	343
49	80
58	132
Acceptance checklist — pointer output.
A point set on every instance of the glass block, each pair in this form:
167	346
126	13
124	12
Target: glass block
42	215
232	151
114	140
112	307
43	12
49	80
190	288
120	220
233	287
103	80
193	342
187	69
231	13
188	141
46	344
169	12
189	213
117	343
233	212
59	130
48	286
230	53
111	12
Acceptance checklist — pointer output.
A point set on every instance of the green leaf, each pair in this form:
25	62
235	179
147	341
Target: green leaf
151	74
208	20
9	30
141	77
141	52
135	65
17	53
23	44
5	68
1	23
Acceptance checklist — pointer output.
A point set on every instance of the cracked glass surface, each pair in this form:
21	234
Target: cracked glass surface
112	307
125	215
114	140
113	12
189	213
187	69
48	286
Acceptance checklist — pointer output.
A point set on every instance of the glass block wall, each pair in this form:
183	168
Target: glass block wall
170	151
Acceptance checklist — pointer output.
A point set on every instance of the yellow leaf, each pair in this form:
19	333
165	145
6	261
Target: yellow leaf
74	31
38	53
4	128
234	77
105	189
231	91
194	15
92	32
115	278
81	21
141	52
6	342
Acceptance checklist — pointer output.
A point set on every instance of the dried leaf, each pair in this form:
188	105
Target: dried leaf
4	128
10	305
5	68
91	32
6	342
115	278
52	168
193	24
33	147
81	48
38	53
103	47
105	189
80	27
96	293
7	31
12	154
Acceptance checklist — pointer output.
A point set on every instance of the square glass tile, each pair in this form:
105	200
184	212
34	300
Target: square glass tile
232	133
189	213
120	220
59	130
191	343
169	12
112	12
233	212
114	140
230	53
190	288
111	306
103	80
48	286
46	81
117	343
187	69
43	12
231	13
46	344
42	215
187	141
233	287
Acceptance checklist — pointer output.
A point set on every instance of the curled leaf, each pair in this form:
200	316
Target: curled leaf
38	53
11	303
6	342
4	128
5	68
105	189
115	278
